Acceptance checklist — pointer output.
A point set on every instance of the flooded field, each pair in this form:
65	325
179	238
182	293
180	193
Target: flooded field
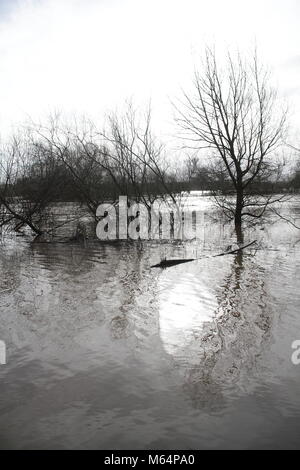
105	353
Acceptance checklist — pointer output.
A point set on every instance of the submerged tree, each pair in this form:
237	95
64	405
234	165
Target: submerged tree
139	159
28	183
233	113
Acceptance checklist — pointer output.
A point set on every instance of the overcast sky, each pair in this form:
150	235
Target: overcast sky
88	56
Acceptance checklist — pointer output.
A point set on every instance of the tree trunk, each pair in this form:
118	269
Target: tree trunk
239	234
238	214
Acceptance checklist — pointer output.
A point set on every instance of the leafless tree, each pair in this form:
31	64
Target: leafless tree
233	114
77	153
138	158
141	165
27	179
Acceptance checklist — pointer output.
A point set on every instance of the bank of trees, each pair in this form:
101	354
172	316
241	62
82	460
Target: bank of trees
230	122
55	161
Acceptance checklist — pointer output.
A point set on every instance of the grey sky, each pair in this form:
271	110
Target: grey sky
88	56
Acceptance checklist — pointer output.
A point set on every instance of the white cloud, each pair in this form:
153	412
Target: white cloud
90	55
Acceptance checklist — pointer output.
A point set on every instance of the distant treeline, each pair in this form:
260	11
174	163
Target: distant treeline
206	179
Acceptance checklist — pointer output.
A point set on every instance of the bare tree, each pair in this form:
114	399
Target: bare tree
141	165
78	154
27	179
138	159
233	114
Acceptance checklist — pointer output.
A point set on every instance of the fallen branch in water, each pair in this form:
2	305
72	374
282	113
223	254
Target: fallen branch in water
165	263
232	252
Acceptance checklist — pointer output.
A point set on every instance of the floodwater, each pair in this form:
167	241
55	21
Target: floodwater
105	353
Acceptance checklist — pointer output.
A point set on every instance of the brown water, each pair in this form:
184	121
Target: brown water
105	353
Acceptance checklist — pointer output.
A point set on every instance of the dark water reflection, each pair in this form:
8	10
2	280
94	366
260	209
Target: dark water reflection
105	353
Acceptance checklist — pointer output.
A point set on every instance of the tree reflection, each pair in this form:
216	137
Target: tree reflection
230	345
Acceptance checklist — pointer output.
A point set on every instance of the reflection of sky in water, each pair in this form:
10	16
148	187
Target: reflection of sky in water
185	305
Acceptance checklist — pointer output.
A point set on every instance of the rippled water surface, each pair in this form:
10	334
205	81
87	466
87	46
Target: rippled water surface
104	352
